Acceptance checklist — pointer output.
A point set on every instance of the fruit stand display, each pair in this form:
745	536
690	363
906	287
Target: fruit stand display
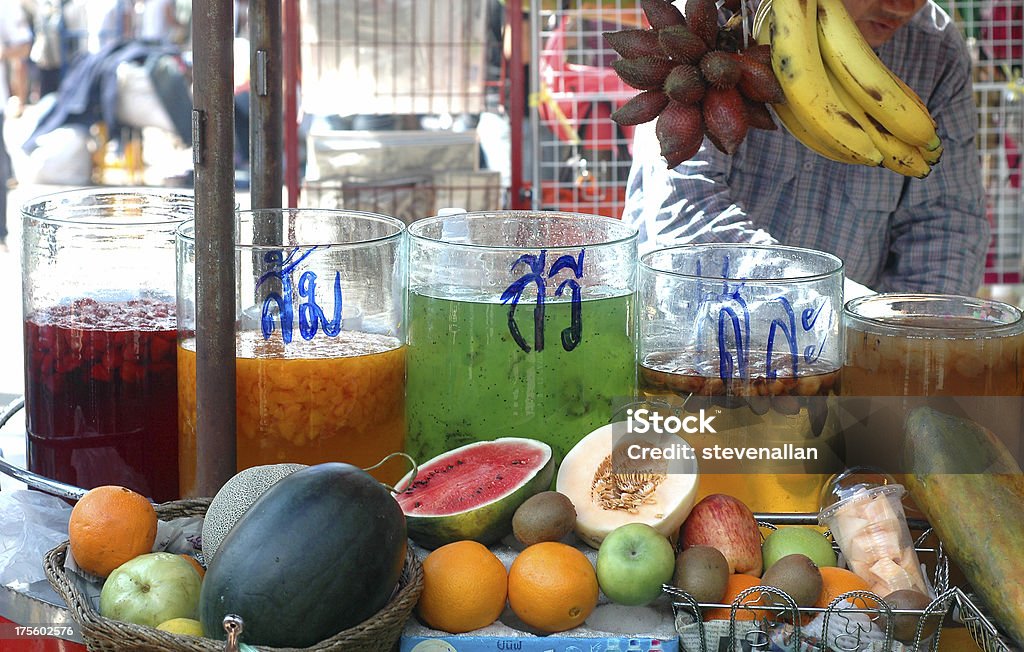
153	600
546	578
612	543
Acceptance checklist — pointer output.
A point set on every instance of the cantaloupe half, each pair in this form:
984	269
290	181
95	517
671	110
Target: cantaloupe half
611	491
236	496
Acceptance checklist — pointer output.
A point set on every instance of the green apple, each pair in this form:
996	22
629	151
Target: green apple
151	589
634	560
795	539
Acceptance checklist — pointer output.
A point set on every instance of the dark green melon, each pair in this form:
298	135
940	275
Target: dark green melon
472	492
320	551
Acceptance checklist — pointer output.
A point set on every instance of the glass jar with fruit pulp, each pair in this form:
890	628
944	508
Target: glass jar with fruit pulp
957	353
98	280
749	337
520	324
319	352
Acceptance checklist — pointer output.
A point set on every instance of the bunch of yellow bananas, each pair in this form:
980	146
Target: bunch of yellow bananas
841	100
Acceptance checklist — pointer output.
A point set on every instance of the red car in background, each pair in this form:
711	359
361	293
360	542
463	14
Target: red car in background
579	90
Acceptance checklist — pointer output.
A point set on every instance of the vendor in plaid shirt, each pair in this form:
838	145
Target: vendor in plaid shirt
894	233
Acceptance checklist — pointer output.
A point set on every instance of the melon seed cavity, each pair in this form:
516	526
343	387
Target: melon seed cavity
624	491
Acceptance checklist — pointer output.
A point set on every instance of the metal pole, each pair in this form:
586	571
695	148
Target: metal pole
517	95
292	73
265	91
213	159
535	81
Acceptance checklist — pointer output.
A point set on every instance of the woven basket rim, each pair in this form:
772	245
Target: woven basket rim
386	625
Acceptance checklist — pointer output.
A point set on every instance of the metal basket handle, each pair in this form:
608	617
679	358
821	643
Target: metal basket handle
34	480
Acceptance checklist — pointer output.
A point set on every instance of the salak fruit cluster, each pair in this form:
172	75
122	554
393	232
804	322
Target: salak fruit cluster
695	76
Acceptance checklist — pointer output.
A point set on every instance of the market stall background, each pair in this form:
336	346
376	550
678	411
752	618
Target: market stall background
575	158
441	116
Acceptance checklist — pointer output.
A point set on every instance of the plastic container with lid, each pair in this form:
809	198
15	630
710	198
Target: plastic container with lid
864	511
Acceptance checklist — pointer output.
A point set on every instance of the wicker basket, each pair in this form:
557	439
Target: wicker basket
379	632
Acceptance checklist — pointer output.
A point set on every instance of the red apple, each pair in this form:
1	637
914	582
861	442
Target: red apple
725	523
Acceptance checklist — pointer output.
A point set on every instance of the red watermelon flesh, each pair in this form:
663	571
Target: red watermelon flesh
472	491
471	476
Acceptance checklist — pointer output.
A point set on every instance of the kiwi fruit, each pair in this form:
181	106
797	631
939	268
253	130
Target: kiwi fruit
703	572
547	516
798	576
904	626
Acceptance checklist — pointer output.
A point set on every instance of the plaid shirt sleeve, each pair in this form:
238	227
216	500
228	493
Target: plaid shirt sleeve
892	232
689	204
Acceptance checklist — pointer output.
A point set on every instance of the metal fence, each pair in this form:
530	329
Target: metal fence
994	29
583	158
413	59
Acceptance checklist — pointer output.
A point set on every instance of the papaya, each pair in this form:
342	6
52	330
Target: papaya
318	552
971	490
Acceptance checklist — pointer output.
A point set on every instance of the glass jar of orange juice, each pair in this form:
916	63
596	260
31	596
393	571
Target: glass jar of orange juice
320	356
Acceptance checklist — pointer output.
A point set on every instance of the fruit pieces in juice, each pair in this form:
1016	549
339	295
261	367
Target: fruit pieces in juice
896	365
750	413
898	369
469	380
101	394
667	373
871	529
328	399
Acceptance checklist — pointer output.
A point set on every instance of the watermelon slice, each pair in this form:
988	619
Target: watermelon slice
471	492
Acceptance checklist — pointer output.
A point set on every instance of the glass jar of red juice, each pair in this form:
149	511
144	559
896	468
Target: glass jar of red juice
98	275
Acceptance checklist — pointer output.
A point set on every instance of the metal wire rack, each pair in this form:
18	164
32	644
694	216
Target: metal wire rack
984	633
760	617
392	90
581	158
396	57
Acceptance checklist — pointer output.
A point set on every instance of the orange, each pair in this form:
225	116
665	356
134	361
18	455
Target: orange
110	525
195	564
464	587
736	584
552	586
837	581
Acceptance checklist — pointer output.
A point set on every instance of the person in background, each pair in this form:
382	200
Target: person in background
159	22
15	43
893	233
47	51
17	65
107	21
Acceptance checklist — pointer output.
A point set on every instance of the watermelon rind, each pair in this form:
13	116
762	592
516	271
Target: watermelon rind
489	522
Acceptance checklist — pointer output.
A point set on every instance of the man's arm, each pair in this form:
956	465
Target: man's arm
16	52
16	38
690	203
940	233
